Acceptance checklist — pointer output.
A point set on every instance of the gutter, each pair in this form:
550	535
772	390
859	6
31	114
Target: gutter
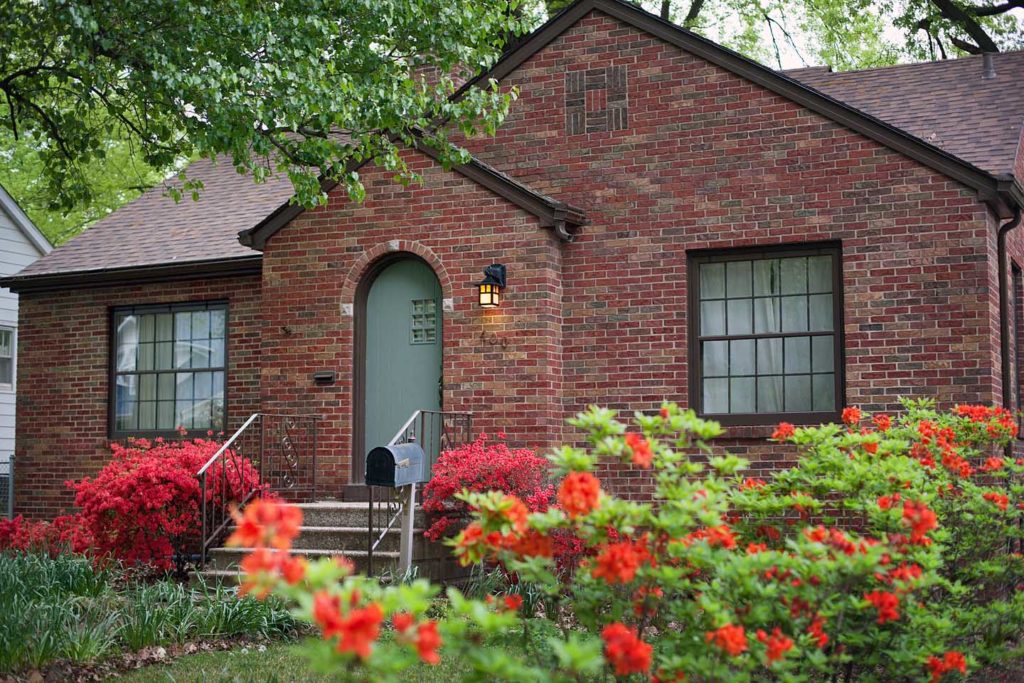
1004	303
133	275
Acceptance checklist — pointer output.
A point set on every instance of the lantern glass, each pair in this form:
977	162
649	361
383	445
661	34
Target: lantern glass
490	295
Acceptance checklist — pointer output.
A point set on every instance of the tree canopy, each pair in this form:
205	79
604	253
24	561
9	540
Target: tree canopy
305	87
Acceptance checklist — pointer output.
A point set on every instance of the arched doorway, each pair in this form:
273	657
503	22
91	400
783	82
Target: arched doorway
398	352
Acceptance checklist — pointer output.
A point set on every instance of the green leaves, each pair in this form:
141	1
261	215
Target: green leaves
307	88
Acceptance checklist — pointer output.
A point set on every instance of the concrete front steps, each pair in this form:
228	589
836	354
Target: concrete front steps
330	529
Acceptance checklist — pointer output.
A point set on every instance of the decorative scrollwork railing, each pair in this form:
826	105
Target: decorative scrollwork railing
268	454
435	431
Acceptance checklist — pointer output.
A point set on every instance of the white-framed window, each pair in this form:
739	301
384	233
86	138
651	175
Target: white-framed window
8	344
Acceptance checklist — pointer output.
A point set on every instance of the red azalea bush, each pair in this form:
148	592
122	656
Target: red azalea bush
63	534
483	465
493	466
143	507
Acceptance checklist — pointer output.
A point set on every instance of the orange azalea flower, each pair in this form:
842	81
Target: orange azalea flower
260	570
266	522
729	639
920	519
951	661
784	431
513	602
851	416
327	613
883	422
777	644
642	454
293	569
516	513
358	630
428	640
579	494
998	499
618	562
402	621
885	502
886	603
625	651
817	631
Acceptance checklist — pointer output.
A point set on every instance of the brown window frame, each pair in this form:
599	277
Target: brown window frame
119	434
695	339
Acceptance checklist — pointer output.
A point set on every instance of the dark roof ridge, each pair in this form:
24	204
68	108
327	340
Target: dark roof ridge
936	63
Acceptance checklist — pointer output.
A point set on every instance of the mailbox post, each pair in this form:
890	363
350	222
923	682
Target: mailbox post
398	466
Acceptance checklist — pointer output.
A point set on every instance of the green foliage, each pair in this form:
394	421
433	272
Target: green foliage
864	473
66	608
303	88
116	179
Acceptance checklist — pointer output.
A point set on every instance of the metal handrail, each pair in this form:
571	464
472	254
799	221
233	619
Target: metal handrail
402	501
227	444
293	473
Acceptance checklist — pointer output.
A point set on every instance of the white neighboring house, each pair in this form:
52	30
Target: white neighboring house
21	243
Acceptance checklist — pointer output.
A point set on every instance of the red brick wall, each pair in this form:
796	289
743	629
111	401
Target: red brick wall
502	364
709	160
63	366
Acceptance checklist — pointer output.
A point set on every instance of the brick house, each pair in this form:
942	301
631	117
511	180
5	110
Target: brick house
676	222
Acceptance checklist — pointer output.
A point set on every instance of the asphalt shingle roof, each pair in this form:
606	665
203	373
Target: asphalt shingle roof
155	230
946	103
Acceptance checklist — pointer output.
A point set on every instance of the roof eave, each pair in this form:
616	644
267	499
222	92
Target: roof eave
24	223
132	275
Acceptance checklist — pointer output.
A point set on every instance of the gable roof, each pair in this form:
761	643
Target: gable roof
155	232
24	223
552	213
948	103
1000	190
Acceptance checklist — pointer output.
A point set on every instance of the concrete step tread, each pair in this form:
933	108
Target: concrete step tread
310	552
338	505
322	529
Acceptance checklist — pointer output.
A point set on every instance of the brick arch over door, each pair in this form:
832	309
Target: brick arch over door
371	259
358	285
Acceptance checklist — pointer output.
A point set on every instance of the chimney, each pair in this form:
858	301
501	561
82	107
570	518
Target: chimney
988	61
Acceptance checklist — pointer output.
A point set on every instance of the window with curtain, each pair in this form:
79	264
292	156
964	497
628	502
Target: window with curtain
7	356
766	334
168	371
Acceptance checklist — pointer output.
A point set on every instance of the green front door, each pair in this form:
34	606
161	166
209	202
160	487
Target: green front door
403	348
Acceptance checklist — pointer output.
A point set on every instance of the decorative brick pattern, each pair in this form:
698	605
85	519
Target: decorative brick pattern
596	100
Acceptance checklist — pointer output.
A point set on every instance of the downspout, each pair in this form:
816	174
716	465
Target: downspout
1004	302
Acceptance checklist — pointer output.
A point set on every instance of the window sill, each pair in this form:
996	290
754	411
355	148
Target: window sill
756	427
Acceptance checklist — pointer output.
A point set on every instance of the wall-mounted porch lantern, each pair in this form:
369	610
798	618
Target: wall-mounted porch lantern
491	285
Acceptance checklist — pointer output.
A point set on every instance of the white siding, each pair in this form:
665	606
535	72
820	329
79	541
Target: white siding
16	252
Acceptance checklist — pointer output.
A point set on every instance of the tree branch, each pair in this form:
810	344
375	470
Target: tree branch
950	10
695	7
997	9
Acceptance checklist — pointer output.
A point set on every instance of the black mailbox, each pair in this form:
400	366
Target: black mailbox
394	466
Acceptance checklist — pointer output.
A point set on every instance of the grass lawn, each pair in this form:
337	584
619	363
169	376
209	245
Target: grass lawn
278	662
